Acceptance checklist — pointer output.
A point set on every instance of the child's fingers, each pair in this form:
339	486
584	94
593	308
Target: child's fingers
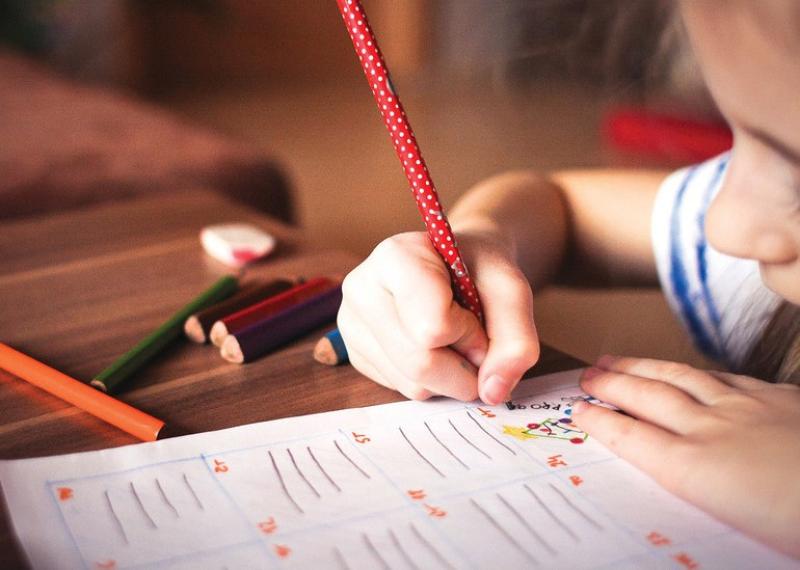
439	370
697	383
424	302
741	382
657	402
375	366
513	340
644	445
436	320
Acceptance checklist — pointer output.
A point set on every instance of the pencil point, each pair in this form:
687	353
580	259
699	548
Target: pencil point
218	333
99	385
194	330
324	352
231	351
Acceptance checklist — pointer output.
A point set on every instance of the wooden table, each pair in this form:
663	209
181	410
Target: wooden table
78	289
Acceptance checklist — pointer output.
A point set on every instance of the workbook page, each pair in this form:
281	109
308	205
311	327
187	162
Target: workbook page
437	484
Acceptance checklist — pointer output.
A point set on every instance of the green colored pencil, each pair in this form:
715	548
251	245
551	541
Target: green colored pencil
119	370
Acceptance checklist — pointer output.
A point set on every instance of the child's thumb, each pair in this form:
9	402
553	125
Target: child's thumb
513	340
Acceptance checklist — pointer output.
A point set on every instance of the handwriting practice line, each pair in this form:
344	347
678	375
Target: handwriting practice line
447	449
419	453
283	484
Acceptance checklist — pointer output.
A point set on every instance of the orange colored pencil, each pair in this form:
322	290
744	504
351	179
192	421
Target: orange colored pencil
80	395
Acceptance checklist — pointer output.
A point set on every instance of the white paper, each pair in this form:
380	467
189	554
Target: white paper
427	485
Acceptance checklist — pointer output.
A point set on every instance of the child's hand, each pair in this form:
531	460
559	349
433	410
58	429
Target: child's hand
403	328
729	444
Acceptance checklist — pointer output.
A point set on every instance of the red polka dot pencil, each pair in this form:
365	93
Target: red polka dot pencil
405	145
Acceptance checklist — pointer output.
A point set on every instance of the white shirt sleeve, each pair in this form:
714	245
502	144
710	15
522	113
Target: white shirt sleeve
720	300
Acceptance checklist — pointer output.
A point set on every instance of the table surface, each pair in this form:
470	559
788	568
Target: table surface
78	289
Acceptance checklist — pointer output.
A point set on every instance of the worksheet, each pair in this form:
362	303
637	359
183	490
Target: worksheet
412	485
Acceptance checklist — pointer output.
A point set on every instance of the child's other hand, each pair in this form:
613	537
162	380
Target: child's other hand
403	328
729	444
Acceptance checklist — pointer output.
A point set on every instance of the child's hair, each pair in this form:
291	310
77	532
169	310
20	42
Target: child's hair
631	48
776	355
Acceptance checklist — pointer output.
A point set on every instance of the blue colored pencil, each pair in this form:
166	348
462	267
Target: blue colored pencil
330	349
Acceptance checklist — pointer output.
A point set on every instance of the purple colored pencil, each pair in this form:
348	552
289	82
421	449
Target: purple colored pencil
276	330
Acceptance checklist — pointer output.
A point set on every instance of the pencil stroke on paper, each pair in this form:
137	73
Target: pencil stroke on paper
322	469
166	499
374	551
575	508
283	484
502	530
420	455
115	518
528	526
484	430
445	447
429	547
337	554
197	500
350	460
551	514
142	508
403	553
469	441
301	474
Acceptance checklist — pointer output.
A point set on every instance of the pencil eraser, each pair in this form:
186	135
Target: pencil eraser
236	245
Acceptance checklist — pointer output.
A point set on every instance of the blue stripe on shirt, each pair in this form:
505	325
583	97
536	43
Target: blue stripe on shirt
679	277
702	247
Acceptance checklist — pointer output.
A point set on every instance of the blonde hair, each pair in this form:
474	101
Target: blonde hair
776	355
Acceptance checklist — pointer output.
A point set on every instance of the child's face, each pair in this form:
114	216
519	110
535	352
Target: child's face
750	55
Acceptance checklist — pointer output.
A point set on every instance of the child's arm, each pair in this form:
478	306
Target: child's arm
401	325
586	225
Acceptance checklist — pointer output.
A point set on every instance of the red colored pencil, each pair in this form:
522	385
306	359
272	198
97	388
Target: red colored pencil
198	326
405	145
258	312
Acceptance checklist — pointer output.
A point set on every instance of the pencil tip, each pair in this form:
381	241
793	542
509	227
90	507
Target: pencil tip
218	333
231	351
194	330
99	385
324	352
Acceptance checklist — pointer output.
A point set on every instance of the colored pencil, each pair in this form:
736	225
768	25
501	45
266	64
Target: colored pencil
283	327
330	349
405	145
258	312
108	409
198	326
121	369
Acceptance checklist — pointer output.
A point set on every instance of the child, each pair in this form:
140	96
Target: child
723	237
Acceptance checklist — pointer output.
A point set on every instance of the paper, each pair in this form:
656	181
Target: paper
424	485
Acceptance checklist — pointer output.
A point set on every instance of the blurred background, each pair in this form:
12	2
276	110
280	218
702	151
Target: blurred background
239	94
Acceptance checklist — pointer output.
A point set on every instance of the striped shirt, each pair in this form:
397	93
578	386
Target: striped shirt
720	300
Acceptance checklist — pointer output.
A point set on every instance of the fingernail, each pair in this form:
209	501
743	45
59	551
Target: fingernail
591	372
580	406
606	361
494	390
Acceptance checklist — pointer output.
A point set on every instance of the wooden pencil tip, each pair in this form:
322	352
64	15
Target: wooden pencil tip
194	330
324	352
99	385
218	333
231	351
